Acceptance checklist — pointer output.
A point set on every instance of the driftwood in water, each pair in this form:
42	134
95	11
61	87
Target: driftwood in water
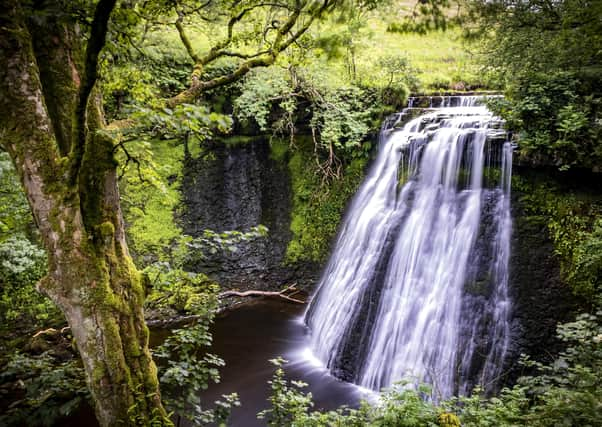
284	294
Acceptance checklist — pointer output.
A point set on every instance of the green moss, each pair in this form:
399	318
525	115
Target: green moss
278	150
106	229
149	205
317	206
238	140
573	219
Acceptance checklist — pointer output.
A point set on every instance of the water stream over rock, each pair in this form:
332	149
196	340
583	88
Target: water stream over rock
417	285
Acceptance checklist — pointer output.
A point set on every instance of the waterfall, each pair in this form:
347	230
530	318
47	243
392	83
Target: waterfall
416	287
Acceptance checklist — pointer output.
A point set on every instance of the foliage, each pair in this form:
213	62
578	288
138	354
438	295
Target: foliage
339	117
14	210
138	73
397	72
565	393
22	265
125	86
187	367
186	374
152	152
262	89
318	205
427	16
586	265
173	291
533	36
547	54
183	121
149	197
573	221
398	407
290	406
568	392
556	117
46	389
342	119
22	261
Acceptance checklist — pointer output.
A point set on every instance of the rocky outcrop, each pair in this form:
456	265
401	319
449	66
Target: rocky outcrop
236	186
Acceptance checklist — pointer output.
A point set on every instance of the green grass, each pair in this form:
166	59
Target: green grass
442	60
440	57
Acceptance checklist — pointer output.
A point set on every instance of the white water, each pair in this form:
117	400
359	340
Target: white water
392	303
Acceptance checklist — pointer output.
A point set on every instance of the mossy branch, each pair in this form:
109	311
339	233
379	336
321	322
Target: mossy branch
184	38
96	42
284	38
24	121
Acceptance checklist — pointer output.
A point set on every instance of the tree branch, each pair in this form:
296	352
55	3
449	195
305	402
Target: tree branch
26	131
278	294
95	44
282	41
184	38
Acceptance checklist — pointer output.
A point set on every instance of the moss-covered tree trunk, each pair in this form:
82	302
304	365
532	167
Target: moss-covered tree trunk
49	122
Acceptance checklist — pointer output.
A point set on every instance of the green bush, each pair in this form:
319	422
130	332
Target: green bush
22	307
556	117
51	389
567	392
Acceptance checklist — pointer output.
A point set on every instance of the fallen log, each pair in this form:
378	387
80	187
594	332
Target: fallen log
277	294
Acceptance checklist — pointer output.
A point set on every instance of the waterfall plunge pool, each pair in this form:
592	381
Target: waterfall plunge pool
247	337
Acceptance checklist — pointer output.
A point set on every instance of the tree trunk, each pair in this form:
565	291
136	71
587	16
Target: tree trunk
68	172
99	290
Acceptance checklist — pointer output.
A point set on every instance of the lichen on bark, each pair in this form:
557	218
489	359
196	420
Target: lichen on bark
91	276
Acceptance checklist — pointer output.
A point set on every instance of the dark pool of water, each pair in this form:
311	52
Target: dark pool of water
247	337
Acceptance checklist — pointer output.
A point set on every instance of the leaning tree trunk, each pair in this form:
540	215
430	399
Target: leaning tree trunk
49	117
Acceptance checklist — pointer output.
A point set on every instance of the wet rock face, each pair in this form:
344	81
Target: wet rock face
236	187
540	299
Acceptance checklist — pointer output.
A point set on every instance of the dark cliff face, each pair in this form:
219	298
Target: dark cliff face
236	187
540	299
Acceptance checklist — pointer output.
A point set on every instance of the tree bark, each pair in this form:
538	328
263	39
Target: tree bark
91	276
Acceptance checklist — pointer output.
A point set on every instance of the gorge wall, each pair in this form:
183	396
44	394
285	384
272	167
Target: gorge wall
238	186
234	186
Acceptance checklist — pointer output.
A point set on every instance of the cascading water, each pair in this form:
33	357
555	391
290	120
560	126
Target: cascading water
416	287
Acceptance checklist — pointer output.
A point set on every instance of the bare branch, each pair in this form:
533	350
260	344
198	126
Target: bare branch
278	294
128	158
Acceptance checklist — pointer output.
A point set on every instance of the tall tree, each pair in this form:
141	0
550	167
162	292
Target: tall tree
50	122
